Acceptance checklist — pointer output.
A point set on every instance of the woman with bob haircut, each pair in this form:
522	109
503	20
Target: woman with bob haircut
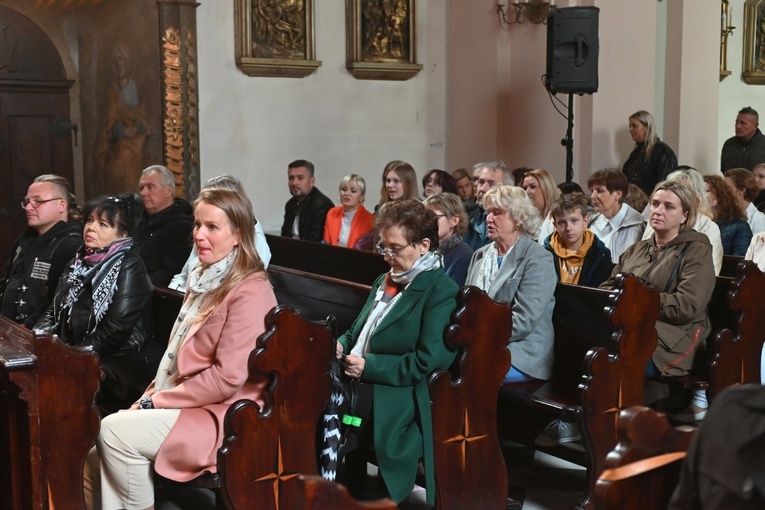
349	224
541	189
394	345
176	427
515	269
399	182
438	181
452	225
103	300
651	159
677	260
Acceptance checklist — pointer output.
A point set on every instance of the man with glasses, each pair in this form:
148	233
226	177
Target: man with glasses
489	175
41	254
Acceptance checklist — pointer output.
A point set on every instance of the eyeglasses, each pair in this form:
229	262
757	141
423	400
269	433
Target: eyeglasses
382	250
440	216
36	202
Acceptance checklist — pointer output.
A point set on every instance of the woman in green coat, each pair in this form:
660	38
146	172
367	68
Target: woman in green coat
396	342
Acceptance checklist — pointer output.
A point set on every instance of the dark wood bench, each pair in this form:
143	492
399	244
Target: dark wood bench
730	265
617	331
326	260
645	437
48	420
315	493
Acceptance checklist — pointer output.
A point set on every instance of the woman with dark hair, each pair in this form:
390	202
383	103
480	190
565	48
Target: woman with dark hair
396	342
735	232
176	427
438	181
651	160
744	185
104	301
399	182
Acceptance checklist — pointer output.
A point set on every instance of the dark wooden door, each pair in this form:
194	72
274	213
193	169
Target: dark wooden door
34	113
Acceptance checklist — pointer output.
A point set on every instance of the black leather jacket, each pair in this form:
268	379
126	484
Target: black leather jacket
34	269
123	338
313	213
646	174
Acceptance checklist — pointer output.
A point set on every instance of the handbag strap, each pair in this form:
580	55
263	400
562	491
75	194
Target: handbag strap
676	269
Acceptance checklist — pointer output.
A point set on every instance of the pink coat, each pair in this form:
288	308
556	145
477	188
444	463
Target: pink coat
212	364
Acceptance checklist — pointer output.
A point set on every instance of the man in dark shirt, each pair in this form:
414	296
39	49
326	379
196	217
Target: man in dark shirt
164	238
42	252
747	148
490	175
305	212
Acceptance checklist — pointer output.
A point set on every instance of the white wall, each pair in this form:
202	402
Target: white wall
735	93
253	127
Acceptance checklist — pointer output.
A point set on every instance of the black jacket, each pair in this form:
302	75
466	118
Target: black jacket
123	338
736	153
164	241
33	271
597	265
646	174
313	212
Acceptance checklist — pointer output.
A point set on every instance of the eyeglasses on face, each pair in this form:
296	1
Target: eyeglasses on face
382	250
36	202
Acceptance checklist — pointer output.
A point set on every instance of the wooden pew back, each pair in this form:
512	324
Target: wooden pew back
642	434
323	259
746	298
315	493
265	450
318	296
470	469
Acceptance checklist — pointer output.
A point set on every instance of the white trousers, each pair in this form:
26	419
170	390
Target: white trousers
118	470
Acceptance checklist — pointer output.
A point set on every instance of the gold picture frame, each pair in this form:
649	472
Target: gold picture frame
753	68
381	39
275	38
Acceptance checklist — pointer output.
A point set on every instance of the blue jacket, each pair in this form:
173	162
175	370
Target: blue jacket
735	236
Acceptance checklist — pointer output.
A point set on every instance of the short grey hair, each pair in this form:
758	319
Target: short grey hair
226	181
507	174
166	176
695	182
517	204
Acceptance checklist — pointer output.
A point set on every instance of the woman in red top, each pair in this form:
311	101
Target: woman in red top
350	225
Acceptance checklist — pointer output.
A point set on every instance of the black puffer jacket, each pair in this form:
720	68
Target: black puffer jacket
164	241
34	269
123	338
647	173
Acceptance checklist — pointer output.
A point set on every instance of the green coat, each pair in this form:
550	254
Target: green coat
406	347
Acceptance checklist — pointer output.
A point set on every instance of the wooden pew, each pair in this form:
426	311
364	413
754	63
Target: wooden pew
47	418
729	265
642	434
469	467
316	493
318	296
323	259
265	450
619	330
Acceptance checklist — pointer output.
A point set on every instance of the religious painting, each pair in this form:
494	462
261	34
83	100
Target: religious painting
120	95
753	71
275	37
381	39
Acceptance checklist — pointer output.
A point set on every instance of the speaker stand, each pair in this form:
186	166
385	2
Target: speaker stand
568	142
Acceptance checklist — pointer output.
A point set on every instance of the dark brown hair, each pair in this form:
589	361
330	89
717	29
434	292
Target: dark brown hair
417	221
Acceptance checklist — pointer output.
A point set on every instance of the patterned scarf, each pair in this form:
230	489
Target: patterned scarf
450	244
202	280
99	268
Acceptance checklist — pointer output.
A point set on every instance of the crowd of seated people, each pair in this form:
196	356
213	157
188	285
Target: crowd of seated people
473	228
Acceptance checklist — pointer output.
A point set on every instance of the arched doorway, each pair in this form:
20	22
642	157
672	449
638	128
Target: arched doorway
35	131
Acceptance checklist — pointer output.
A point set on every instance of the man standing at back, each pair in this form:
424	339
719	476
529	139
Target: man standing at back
747	148
490	175
42	252
164	238
305	212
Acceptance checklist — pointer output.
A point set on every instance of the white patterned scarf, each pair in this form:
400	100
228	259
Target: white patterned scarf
202	280
489	268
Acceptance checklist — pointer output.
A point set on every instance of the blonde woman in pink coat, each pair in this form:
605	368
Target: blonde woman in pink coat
176	427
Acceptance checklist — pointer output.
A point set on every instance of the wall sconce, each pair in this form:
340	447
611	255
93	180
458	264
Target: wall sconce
726	29
535	11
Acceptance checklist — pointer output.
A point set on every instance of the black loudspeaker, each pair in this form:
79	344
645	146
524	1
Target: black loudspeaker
572	50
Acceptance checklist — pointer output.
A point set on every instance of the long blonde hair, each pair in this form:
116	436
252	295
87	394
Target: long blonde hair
247	263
